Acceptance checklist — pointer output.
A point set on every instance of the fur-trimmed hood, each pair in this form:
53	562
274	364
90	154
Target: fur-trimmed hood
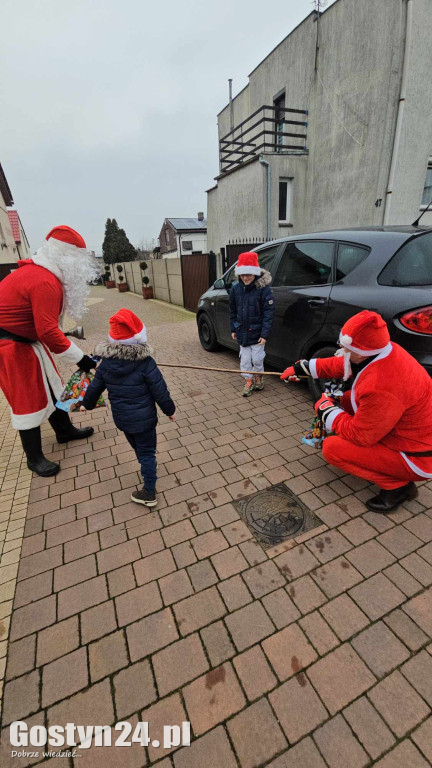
264	279
129	352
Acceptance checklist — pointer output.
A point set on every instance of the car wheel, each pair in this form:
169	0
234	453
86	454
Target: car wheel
316	386
207	334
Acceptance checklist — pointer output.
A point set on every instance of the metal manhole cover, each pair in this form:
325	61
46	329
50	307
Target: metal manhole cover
276	514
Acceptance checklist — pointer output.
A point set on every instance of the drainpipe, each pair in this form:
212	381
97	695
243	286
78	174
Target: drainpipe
400	114
268	174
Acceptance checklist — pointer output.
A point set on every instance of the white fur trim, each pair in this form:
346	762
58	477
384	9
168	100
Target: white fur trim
248	270
328	421
49	374
312	368
346	341
385	353
72	355
415	469
138	338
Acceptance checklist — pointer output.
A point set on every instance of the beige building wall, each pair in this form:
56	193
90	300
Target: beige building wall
352	101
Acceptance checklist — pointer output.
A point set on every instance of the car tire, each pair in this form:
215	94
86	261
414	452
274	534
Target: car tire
207	334
316	386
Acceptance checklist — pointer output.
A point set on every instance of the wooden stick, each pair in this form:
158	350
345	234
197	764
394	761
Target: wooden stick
224	370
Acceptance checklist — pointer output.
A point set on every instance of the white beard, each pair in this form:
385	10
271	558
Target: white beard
74	267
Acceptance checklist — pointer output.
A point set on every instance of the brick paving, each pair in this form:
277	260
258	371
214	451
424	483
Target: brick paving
315	653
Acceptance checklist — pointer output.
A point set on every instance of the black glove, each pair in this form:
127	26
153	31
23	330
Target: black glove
324	406
298	371
86	364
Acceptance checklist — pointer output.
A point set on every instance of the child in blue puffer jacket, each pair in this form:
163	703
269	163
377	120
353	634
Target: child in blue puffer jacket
135	384
251	317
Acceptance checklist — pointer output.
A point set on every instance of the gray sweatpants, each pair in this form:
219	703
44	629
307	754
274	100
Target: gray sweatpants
252	359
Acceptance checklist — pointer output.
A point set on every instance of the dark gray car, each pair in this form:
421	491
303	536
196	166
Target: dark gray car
322	279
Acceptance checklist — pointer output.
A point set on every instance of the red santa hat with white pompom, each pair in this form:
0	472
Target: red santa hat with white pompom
248	264
366	334
65	234
126	328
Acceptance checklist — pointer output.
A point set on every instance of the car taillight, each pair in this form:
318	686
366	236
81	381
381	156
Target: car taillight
420	320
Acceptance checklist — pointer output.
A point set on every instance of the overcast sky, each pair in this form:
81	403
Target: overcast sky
108	107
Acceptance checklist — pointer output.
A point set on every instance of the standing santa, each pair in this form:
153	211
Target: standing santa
33	300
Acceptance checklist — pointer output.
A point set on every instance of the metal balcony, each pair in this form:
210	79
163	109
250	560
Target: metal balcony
263	131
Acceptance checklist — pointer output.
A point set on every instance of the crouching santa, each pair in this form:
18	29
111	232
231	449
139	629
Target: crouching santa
382	428
32	300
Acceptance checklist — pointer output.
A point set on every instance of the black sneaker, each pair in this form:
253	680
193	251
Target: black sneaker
148	498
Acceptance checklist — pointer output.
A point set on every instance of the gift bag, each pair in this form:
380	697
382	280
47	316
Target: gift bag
74	391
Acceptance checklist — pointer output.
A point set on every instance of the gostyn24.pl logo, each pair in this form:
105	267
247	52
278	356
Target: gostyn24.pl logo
122	734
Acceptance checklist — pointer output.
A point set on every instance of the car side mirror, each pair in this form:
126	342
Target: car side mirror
219	284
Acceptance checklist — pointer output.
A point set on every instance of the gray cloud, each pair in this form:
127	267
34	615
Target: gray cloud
109	106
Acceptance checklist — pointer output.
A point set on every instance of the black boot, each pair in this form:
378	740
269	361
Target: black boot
64	428
36	461
386	501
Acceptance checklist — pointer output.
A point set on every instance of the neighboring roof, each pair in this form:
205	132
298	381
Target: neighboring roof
14	222
4	188
187	225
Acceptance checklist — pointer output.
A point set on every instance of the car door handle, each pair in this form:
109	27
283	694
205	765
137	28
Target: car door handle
316	302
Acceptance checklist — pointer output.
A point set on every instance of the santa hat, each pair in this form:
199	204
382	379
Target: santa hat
248	264
366	334
66	235
126	328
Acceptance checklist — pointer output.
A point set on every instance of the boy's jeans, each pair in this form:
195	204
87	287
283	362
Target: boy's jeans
144	445
252	359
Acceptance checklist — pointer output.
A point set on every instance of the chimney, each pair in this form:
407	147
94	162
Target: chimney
200	216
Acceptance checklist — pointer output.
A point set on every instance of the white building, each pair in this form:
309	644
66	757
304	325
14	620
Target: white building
334	128
183	236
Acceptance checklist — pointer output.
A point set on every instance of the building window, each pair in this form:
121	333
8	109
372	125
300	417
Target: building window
427	191
167	238
187	245
279	114
285	200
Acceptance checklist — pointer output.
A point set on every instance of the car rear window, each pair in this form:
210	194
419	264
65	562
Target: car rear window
411	265
348	258
307	262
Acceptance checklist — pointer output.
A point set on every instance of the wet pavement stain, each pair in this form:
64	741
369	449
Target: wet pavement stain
292	591
286	569
246	483
296	666
214	677
213	494
344	507
259	570
319	545
327	539
344	564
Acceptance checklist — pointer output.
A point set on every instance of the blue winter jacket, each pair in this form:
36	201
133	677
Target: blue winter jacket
252	309
134	383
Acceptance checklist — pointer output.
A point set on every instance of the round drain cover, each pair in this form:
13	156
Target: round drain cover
273	515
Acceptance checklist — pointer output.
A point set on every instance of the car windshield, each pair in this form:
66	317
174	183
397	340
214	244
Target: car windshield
411	265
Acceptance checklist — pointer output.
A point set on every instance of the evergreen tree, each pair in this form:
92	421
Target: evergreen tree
116	245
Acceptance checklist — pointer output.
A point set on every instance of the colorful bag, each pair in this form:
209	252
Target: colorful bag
74	391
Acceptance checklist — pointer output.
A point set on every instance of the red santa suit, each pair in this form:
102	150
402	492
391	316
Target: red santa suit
383	429
31	303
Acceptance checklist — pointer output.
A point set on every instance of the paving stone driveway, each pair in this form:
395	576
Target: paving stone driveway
312	654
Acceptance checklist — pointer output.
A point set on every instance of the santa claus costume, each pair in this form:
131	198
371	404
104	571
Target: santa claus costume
382	428
32	300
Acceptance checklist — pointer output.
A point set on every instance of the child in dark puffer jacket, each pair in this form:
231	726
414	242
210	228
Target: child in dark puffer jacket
135	384
251	318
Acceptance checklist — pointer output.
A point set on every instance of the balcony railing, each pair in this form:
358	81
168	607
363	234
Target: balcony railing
263	131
